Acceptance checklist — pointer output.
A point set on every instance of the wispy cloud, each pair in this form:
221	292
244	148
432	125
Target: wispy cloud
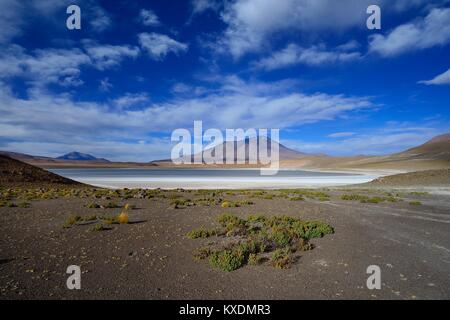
158	46
105	85
131	100
423	33
442	79
341	134
60	66
391	138
99	19
148	18
314	55
10	19
105	56
235	103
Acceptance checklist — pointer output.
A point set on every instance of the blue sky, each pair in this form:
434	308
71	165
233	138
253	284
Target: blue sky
139	69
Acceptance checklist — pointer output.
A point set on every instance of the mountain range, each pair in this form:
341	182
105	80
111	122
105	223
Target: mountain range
78	156
434	154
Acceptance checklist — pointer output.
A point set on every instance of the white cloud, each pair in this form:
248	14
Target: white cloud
130	100
44	65
106	56
392	138
341	134
10	19
44	119
105	85
61	66
148	18
158	46
200	6
441	79
252	22
422	33
314	55
99	19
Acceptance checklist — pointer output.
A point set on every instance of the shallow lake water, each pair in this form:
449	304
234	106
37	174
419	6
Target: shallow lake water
209	178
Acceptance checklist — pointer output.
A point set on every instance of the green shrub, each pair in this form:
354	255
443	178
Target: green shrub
202	253
24	205
200	233
111	205
254	259
415	203
311	229
281	258
230	221
71	221
281	235
354	197
98	227
227	260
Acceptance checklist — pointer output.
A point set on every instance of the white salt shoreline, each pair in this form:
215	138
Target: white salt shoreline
226	182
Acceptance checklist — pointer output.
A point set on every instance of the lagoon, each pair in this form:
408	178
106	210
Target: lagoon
210	178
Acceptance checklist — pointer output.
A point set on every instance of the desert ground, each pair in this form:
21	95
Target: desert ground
405	233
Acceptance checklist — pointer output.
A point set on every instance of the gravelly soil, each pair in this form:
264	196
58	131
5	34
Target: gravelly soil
151	258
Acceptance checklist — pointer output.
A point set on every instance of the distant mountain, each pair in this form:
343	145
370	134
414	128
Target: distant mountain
78	156
248	144
434	154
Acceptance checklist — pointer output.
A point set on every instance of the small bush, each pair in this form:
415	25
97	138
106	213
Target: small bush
200	233
281	258
415	203
254	259
24	205
110	220
353	197
202	253
418	193
122	218
229	204
93	205
129	206
110	205
71	221
227	260
98	227
281	236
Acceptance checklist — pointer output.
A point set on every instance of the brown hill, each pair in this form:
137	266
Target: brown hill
434	154
420	178
437	148
16	173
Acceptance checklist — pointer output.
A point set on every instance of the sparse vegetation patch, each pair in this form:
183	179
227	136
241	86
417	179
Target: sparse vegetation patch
258	238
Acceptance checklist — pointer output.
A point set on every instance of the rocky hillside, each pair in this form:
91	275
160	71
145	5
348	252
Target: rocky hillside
16	173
